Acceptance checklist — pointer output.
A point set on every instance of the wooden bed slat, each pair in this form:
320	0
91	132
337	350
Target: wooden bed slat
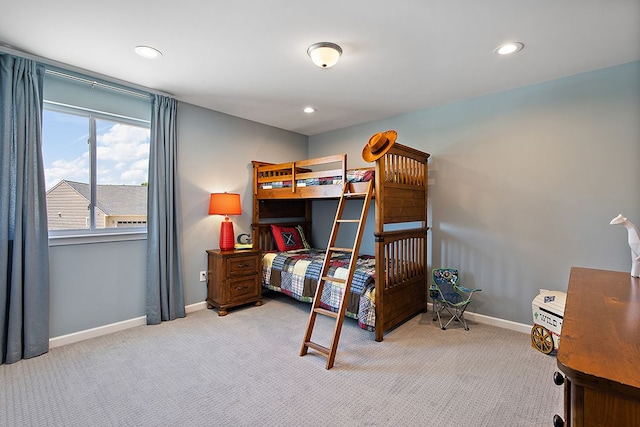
300	176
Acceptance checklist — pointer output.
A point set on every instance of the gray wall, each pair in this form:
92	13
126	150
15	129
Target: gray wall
524	182
98	284
214	155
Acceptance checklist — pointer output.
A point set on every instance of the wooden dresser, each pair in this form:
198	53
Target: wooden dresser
599	351
233	279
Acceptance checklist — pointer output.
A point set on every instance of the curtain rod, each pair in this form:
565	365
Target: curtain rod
95	84
65	67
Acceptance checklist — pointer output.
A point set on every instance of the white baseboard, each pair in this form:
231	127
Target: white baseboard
494	321
500	323
96	332
195	307
111	328
139	321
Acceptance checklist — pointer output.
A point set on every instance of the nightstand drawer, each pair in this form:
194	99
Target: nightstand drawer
239	266
243	287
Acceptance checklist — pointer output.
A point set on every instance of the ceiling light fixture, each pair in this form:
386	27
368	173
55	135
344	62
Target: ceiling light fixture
148	52
509	48
309	110
324	54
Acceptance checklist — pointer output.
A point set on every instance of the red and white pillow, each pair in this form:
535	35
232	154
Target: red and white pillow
289	238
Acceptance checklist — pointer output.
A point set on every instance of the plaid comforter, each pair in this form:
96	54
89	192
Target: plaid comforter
296	274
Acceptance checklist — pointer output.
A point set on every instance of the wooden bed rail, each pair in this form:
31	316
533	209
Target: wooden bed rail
404	255
319	167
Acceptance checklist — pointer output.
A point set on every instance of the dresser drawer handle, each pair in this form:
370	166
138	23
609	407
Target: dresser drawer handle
239	288
243	265
558	379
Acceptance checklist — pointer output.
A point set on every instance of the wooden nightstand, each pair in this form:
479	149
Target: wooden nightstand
233	278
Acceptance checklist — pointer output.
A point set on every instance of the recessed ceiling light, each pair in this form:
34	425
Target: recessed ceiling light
309	110
148	52
509	48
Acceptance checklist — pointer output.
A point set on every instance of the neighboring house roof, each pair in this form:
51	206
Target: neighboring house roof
113	199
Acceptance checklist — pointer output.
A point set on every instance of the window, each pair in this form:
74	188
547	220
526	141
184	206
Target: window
96	161
95	170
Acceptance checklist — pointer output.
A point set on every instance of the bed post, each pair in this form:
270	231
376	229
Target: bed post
255	238
425	224
379	247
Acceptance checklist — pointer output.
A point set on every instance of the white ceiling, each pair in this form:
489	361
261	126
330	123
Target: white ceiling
248	58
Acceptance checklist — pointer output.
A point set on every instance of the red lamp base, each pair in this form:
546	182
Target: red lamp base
227	239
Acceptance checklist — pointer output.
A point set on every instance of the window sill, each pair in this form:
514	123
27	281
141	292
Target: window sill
96	236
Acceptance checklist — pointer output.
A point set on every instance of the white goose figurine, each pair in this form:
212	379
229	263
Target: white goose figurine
634	242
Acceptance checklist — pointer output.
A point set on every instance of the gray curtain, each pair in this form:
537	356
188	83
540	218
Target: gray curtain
24	241
165	298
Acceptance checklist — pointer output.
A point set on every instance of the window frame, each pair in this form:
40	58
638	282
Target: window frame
93	234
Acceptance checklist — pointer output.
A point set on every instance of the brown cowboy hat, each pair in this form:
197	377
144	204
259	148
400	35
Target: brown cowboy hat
378	145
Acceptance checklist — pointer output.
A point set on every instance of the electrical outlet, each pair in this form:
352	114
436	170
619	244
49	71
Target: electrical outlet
203	276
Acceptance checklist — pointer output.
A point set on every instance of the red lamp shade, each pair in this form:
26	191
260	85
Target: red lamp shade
225	204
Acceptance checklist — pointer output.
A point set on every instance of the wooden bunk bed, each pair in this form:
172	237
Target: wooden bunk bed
283	194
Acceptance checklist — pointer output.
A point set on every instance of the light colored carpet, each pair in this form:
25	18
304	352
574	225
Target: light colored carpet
244	370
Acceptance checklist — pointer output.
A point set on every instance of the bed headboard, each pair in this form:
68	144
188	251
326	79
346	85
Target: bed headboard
401	186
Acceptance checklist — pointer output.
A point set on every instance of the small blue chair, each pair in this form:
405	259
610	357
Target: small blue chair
447	295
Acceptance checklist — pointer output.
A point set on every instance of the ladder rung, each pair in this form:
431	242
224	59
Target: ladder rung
322	349
348	220
333	279
334	249
355	194
326	312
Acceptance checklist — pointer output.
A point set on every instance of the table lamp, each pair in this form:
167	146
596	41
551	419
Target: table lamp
225	204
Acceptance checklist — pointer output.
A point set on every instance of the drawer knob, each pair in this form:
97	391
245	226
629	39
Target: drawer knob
558	379
243	265
558	421
238	288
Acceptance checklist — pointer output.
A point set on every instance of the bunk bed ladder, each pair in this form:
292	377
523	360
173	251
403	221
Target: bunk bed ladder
330	352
